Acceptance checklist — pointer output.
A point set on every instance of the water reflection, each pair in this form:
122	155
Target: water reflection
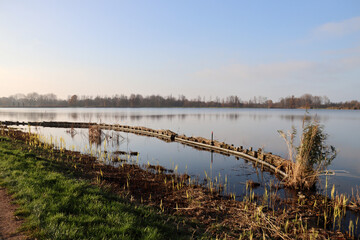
98	115
74	116
28	116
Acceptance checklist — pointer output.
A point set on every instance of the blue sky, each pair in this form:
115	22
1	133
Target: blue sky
196	48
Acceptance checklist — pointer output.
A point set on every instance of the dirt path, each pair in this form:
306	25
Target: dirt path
8	222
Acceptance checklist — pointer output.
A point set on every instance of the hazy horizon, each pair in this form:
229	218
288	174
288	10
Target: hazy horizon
52	96
195	48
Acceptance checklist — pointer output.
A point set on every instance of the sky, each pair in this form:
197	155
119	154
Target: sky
196	48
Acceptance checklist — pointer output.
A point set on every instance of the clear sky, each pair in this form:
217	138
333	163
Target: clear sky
196	48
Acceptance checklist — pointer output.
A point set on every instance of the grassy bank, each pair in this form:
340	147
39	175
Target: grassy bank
58	205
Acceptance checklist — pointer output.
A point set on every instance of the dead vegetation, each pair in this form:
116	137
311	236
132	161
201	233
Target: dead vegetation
95	134
310	158
72	132
355	200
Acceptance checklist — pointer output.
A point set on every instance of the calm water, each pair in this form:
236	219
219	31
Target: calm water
247	127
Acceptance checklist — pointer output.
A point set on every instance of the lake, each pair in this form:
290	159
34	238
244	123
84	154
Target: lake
255	128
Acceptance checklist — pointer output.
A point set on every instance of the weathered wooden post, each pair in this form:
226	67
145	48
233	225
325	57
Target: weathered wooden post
172	137
212	138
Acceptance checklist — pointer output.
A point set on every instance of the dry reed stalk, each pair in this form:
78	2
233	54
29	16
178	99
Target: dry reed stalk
72	132
302	173
95	134
309	158
355	200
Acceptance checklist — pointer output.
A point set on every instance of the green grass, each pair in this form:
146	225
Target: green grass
57	205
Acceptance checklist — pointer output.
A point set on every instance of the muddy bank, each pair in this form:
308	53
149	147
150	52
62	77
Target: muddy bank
9	223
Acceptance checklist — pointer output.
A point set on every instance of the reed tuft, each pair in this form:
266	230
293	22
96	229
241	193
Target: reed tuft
95	134
308	159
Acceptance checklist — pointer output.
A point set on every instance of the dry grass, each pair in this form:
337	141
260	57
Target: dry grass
95	134
355	200
71	131
299	175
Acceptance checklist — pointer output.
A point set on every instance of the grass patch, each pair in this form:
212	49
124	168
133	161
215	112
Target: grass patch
56	205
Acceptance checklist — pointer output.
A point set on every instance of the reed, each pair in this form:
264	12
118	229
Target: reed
95	134
308	159
355	199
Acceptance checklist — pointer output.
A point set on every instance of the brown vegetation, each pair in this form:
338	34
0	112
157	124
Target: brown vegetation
95	134
310	158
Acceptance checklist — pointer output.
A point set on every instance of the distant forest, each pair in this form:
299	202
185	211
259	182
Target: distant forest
137	100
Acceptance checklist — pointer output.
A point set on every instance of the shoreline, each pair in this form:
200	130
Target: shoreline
171	194
97	107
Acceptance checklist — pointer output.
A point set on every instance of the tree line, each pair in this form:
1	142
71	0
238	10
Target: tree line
137	100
